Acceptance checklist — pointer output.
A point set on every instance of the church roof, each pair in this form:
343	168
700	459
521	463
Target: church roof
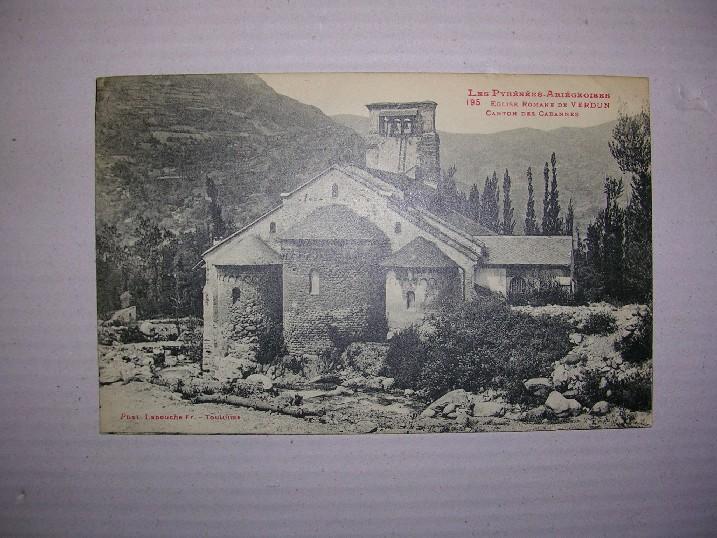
419	253
335	222
251	250
528	250
463	223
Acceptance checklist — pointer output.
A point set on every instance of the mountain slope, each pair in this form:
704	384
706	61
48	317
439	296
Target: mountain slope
159	138
583	160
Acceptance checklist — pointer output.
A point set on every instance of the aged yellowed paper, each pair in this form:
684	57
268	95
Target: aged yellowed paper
373	252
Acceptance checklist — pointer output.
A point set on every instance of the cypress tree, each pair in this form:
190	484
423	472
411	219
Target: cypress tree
631	149
546	200
474	203
508	221
531	226
556	224
489	204
569	219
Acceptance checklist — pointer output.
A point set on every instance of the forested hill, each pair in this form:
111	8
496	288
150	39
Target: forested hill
159	138
583	159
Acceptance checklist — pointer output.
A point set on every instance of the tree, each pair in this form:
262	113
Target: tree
612	240
473	209
531	226
569	219
546	201
508	221
490	201
630	148
552	222
218	226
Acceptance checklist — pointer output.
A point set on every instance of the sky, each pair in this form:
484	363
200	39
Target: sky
348	93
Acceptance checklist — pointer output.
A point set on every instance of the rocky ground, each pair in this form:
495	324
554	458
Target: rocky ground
154	386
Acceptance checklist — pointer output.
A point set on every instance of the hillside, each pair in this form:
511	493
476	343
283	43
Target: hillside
583	161
159	138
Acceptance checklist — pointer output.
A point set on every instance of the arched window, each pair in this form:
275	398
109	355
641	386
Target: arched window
314	282
410	301
334	191
397	227
272	227
236	295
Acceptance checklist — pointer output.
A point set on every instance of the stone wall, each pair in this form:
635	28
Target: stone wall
431	288
351	294
246	300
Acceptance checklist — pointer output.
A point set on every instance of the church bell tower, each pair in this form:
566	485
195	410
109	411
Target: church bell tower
403	140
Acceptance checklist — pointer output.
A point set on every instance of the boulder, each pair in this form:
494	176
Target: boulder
409	392
575	338
158	331
170	361
538	386
110	373
560	375
575	407
534	415
428	413
458	397
560	405
600	408
572	359
260	379
125	315
461	417
449	409
366	426
488	409
388	383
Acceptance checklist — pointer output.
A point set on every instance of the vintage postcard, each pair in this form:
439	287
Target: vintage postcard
373	252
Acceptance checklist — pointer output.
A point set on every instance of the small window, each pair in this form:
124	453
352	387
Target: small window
272	227
397	227
410	301
334	191
314	282
236	295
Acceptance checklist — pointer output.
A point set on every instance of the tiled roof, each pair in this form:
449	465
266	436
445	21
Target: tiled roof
465	224
251	250
419	253
335	222
527	249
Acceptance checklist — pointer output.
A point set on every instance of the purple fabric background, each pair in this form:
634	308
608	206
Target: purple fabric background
59	476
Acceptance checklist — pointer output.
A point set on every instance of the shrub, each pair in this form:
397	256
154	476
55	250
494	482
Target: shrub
271	343
599	323
406	358
638	345
480	344
634	391
193	339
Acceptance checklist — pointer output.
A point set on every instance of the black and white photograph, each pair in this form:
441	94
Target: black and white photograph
360	253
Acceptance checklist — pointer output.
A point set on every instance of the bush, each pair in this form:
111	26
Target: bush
638	345
406	358
634	391
271	343
599	323
481	344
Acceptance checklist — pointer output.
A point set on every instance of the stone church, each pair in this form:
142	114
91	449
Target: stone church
355	248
